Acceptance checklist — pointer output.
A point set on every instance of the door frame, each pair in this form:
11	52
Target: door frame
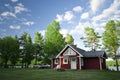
73	63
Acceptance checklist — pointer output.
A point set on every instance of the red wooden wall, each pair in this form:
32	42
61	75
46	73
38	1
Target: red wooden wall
91	63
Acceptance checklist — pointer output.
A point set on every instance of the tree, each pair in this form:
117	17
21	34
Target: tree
69	39
14	53
91	38
9	50
22	41
54	41
28	49
38	44
111	38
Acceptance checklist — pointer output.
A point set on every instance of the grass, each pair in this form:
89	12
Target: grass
50	74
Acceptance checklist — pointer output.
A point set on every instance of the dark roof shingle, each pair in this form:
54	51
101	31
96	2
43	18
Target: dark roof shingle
89	53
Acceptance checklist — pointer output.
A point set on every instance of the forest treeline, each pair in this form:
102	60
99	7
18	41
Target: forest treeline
24	52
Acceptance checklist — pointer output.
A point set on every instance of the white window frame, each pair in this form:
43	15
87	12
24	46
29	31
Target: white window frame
65	62
56	61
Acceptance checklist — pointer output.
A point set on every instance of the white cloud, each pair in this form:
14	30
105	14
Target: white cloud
113	8
94	24
14	0
77	9
107	13
20	8
59	18
64	32
79	29
7	14
20	4
100	30
28	23
103	24
42	32
85	15
7	5
95	4
15	27
68	16
115	17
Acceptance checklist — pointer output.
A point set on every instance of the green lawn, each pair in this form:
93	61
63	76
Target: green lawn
50	74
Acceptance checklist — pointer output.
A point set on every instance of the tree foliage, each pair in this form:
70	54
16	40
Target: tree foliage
69	39
9	49
28	49
38	47
91	38
111	38
54	41
22	50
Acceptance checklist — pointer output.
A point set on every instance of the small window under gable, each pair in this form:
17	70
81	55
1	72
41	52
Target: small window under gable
69	51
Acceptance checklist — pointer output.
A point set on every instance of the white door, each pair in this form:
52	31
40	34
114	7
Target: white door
73	63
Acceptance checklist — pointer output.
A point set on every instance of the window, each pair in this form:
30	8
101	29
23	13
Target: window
56	61
65	61
73	59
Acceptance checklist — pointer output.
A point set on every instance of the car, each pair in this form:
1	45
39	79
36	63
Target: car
42	66
37	66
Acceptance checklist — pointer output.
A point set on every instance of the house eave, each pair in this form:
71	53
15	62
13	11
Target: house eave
71	48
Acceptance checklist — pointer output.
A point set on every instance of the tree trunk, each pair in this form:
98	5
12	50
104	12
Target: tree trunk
22	63
6	60
116	60
116	63
36	59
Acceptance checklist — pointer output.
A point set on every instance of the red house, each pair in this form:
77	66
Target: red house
72	57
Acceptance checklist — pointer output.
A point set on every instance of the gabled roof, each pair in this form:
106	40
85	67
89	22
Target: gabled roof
84	53
71	46
94	54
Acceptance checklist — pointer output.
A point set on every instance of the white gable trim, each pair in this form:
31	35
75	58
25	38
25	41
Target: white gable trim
69	51
65	48
62	51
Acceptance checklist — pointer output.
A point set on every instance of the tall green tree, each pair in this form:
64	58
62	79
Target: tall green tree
54	41
69	39
91	38
14	53
23	41
111	38
28	49
38	44
9	50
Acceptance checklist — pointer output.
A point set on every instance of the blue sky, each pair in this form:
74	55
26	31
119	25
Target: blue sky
18	16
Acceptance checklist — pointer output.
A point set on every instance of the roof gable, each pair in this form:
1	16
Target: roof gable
69	51
73	47
83	53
